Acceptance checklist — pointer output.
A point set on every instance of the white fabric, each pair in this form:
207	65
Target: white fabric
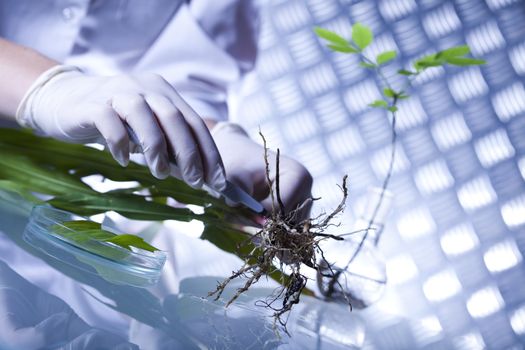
30	318
201	48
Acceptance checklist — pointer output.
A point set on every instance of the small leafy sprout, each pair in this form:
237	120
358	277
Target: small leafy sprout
362	37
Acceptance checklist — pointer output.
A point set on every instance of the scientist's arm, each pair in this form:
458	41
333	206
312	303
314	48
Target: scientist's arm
19	68
64	103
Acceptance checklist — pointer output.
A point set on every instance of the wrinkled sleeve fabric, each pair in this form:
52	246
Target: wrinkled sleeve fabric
205	51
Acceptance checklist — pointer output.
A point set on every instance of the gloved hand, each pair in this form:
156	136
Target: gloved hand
71	106
33	319
244	163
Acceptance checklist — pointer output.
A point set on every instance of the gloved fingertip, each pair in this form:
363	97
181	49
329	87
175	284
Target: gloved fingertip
196	183
160	167
122	159
218	182
163	169
160	175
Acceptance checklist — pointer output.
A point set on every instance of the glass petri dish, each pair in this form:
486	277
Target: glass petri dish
115	264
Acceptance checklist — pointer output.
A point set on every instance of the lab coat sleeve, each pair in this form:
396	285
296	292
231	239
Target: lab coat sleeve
205	51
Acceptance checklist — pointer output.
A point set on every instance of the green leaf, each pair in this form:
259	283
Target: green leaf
85	234
31	164
367	65
402	96
379	104
392	109
344	49
332	37
464	61
130	206
21	190
386	57
127	241
427	61
389	92
361	35
454	52
405	72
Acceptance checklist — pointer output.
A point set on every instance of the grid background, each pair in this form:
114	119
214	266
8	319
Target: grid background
455	240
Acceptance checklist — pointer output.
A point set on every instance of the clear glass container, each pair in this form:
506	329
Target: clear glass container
115	264
356	260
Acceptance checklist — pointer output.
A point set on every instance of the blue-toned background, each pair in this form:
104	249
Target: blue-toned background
455	240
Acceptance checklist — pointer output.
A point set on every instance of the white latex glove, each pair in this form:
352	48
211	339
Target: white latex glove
33	319
71	106
244	163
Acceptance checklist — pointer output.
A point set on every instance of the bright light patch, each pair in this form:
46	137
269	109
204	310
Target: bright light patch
497	4
401	269
359	96
521	165
485	38
102	184
517	320
493	148
476	194
194	228
502	256
459	240
431	325
286	95
391	10
513	212
411	113
485	302
416	223
450	132
467	85
434	177
509	102
441	286
345	142
469	341
441	21
291	16
304	47
426	329
274	62
318	79
330	112
517	58
300	126
312	154
381	161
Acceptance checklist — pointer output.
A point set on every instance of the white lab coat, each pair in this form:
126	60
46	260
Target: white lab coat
202	47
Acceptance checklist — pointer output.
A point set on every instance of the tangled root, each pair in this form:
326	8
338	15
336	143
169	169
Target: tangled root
287	243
